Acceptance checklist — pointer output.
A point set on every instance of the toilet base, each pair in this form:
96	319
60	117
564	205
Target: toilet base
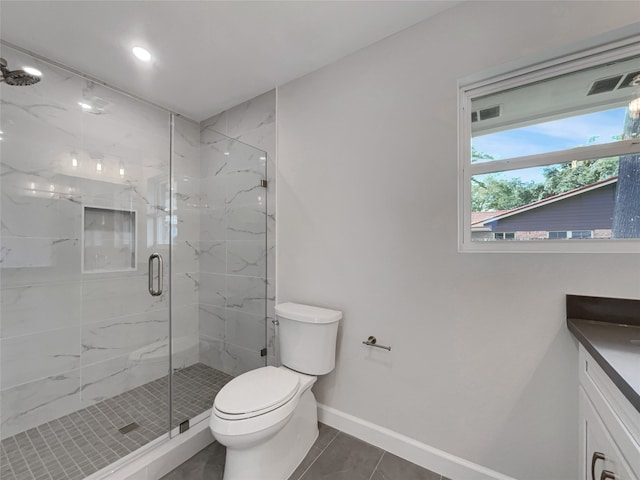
279	456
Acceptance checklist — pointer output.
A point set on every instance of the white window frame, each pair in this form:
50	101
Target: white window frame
466	170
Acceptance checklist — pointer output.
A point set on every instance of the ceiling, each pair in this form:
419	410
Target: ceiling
207	55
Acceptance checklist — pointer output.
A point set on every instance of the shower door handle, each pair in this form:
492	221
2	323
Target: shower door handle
153	291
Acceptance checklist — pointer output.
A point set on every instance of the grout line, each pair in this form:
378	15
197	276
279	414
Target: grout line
64	445
24	459
90	447
321	452
97	444
56	374
377	464
53	455
108	431
33	446
334	437
7	463
194	386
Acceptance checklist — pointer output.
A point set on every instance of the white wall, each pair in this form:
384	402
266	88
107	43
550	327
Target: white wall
482	364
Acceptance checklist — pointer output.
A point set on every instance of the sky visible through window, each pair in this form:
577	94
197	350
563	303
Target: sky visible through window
589	129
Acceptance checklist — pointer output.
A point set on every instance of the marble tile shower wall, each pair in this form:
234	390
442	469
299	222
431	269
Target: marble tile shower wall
68	337
185	262
236	260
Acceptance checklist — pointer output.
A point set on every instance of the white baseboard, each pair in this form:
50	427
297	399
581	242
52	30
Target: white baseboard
412	450
160	456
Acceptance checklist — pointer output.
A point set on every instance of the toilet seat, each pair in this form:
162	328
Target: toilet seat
255	393
229	428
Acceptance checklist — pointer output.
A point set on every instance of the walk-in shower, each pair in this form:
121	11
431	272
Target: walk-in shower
101	350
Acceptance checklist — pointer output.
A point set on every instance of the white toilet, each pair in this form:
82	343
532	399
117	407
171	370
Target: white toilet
267	418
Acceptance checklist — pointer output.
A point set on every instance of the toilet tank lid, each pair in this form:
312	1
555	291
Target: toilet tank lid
307	313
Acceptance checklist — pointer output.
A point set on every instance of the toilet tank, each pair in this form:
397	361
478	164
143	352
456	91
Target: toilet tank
307	337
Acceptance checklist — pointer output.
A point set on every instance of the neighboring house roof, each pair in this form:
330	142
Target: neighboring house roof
480	219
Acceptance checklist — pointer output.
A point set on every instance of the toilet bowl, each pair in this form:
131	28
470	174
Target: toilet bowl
268	417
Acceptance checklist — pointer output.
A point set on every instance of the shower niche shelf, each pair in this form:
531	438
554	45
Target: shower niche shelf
108	240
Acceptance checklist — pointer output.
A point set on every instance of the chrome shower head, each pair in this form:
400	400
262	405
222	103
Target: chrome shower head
18	78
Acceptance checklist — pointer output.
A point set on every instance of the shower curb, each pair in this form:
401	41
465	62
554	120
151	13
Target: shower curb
161	456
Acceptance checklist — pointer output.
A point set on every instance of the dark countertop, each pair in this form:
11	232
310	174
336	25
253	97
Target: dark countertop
616	348
609	329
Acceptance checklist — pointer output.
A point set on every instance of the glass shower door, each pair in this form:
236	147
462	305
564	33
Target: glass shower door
219	296
85	192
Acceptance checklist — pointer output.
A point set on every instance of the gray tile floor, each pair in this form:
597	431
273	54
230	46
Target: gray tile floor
334	456
77	445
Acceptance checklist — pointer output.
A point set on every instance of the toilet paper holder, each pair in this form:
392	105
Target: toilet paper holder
372	342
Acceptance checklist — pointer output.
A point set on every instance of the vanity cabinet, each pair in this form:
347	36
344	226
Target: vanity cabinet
602	459
609	426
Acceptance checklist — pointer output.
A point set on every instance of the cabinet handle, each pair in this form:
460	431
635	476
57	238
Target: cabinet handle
606	474
596	456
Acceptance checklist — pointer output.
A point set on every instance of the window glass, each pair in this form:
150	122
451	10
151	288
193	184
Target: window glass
506	190
557	235
555	158
541	203
579	131
582	234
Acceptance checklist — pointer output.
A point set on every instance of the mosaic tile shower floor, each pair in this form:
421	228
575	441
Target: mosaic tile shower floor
77	445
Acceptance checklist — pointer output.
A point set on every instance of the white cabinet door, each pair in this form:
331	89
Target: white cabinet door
600	457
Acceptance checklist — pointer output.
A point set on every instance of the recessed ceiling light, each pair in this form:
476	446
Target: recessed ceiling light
32	71
227	153
85	106
141	53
